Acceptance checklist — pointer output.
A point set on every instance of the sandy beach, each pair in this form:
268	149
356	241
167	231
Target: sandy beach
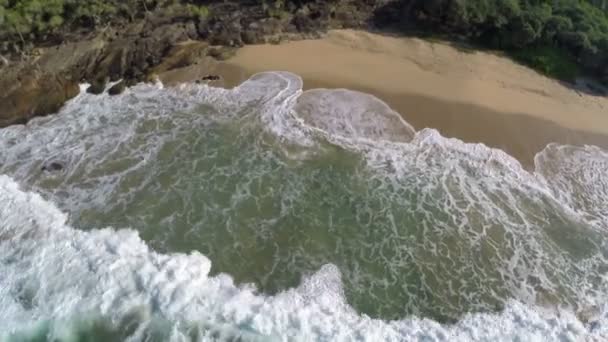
473	96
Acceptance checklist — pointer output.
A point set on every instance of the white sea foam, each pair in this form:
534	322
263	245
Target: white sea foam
577	176
51	272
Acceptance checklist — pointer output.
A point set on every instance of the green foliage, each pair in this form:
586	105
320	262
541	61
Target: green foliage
28	19
200	12
40	17
553	29
31	15
275	8
561	32
92	12
549	61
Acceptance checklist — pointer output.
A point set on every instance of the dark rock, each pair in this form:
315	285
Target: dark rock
129	82
304	23
98	86
251	36
211	78
227	37
3	62
52	167
271	26
118	88
346	17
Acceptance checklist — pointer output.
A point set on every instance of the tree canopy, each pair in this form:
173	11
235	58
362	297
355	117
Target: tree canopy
556	36
545	33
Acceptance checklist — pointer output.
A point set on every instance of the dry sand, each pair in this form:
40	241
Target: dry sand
474	96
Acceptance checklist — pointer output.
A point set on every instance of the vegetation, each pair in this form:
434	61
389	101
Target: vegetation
31	19
549	60
558	37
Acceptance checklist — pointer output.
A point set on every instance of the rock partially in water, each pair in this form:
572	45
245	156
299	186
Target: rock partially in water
118	88
34	94
160	42
52	167
98	86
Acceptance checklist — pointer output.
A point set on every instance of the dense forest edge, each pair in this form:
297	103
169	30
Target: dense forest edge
48	47
561	38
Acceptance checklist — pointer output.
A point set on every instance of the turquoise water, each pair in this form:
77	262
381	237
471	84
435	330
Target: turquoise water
262	212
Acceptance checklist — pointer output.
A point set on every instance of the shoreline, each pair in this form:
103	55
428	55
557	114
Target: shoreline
476	97
520	135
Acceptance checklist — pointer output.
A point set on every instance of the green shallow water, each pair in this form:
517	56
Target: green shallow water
405	246
427	228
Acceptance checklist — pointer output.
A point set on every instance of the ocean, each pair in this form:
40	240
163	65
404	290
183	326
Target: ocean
266	213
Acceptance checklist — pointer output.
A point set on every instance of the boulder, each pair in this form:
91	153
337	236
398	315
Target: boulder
52	167
210	78
35	94
118	88
98	86
252	36
3	62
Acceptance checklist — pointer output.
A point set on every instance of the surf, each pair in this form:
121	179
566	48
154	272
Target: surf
345	222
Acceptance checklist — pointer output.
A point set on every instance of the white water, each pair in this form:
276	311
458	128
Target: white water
72	274
55	278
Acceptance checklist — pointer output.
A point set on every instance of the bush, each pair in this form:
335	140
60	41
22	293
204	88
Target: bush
549	61
557	30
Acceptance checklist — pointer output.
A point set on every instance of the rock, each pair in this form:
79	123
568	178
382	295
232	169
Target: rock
152	78
34	94
224	26
163	41
129	82
52	167
271	26
252	36
181	55
222	53
118	88
227	37
304	23
98	86
210	78
3	62
347	18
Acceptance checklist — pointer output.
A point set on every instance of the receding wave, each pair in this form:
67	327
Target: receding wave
345	221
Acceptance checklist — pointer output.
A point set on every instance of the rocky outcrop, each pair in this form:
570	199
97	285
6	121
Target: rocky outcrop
118	88
34	94
181	55
158	43
98	86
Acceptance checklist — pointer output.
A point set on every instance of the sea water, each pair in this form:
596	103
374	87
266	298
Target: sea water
269	213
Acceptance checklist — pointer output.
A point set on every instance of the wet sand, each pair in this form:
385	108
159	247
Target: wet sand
473	96
520	135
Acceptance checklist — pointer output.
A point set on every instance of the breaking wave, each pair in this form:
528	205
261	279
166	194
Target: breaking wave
442	239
